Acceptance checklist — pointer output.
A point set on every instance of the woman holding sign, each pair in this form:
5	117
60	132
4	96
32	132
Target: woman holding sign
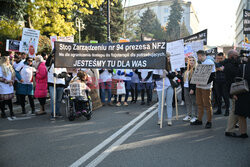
166	89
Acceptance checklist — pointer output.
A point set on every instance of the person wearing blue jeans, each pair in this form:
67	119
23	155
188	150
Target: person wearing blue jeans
168	90
105	83
59	93
168	95
58	75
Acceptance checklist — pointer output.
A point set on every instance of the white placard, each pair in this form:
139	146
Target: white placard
196	46
12	45
30	39
201	74
66	39
52	41
77	89
176	50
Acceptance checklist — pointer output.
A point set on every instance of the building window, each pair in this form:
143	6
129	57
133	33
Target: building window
165	10
165	19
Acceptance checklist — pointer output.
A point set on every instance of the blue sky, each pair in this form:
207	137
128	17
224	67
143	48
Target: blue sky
218	16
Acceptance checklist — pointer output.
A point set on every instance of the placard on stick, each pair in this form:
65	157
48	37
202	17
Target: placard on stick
202	74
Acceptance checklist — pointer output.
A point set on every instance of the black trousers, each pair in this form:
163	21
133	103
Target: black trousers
22	102
134	91
149	90
9	103
222	91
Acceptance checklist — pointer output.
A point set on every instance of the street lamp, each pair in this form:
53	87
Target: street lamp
108	21
80	26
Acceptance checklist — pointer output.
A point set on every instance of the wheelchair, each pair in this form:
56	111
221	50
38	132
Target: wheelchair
76	106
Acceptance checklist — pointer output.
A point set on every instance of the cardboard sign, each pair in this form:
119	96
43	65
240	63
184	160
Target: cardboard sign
30	39
188	51
202	74
12	45
177	57
66	39
77	89
52	41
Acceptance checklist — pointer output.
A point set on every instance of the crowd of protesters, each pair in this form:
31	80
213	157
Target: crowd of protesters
23	76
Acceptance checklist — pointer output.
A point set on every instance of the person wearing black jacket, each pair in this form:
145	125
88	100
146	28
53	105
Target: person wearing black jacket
203	93
145	77
220	85
231	70
242	101
189	91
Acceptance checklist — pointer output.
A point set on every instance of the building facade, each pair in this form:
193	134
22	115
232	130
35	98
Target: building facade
239	36
162	10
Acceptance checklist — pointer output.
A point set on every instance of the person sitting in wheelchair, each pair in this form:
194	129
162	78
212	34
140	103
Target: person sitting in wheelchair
79	92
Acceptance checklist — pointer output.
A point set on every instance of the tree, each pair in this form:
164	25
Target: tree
149	26
130	26
13	9
55	17
184	30
96	24
9	29
173	26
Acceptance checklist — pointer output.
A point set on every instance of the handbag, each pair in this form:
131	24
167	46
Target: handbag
121	88
174	83
240	85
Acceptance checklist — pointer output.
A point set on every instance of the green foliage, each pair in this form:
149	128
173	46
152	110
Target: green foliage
184	30
149	26
9	29
96	24
173	26
130	26
44	44
13	9
56	17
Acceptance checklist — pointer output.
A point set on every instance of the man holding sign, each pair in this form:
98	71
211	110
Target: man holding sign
203	78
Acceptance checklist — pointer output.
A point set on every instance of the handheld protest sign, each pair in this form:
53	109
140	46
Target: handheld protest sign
201	74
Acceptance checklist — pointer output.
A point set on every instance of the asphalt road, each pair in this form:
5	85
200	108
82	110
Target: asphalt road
111	139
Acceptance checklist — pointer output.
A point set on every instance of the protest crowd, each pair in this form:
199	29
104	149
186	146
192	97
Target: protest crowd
21	76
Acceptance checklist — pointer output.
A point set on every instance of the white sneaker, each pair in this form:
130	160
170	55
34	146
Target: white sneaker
169	122
159	122
193	119
187	118
182	103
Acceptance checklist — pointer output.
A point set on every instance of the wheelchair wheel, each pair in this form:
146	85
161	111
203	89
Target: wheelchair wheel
88	117
71	117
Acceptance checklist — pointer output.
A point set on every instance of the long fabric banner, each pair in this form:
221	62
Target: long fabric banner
202	35
130	55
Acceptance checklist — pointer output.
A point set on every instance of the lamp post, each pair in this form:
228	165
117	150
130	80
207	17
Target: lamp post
80	26
108	21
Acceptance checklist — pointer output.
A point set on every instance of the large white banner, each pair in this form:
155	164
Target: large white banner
29	42
176	50
201	74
